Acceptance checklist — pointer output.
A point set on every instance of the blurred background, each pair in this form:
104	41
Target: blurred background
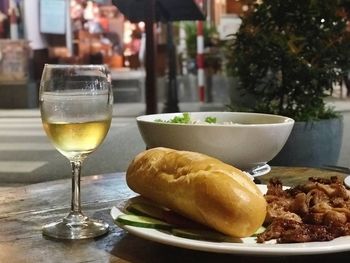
183	68
34	32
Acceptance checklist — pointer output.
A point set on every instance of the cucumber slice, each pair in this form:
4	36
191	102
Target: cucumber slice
142	221
200	234
164	214
209	235
144	214
144	209
259	231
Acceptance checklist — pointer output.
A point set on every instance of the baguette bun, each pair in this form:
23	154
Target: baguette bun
199	187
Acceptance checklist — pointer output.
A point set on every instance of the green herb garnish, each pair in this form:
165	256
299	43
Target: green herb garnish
186	119
210	119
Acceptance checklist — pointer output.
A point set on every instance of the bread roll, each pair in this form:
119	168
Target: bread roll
199	187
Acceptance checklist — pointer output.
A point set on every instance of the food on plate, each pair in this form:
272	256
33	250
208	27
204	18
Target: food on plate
141	212
182	185
200	188
316	211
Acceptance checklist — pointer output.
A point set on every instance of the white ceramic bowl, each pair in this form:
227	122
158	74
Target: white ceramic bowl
252	141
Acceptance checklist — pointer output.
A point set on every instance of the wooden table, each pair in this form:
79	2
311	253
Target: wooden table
23	210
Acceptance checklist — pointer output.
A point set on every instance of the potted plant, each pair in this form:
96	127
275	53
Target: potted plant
286	56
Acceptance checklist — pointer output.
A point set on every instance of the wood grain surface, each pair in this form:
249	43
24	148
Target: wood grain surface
24	209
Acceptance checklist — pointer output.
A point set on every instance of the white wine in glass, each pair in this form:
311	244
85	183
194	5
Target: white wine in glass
76	103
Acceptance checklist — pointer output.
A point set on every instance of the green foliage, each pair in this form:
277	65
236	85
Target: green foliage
288	53
209	33
191	38
213	53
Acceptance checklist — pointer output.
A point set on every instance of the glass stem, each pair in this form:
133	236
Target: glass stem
76	172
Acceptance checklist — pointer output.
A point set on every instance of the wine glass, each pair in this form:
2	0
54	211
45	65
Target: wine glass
76	104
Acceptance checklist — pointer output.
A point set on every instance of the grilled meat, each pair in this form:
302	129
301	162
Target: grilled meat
316	211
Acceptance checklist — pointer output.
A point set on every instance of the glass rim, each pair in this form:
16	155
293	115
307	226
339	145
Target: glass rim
75	65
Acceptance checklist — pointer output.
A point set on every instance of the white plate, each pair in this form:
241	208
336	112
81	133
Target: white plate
246	246
262	170
347	181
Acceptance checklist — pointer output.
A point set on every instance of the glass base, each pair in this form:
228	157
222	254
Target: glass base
75	226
